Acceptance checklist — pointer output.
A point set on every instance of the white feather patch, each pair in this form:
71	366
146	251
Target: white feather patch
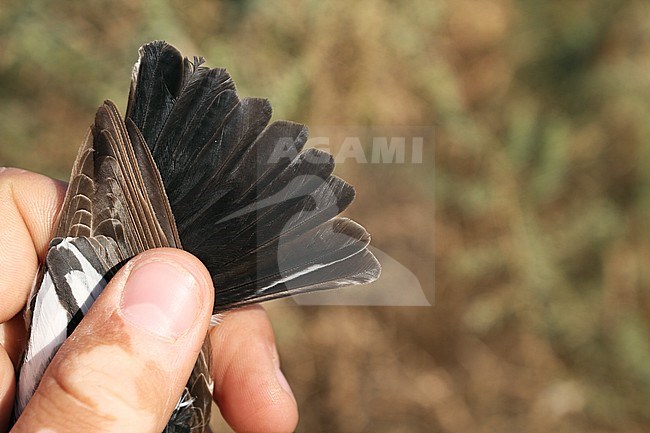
49	324
86	284
50	320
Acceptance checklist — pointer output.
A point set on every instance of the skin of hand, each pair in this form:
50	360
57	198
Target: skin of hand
125	366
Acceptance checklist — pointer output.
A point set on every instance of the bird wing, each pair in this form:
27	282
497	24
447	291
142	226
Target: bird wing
115	207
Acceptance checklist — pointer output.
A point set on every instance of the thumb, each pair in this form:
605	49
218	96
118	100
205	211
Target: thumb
125	366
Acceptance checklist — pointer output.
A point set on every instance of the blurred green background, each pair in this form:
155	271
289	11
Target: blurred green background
539	198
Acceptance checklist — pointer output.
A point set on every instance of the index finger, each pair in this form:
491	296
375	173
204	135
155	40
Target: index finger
29	204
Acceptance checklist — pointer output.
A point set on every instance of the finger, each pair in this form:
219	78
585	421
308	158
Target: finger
12	337
125	366
250	389
29	203
7	389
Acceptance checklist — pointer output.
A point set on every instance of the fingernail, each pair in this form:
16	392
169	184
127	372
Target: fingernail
282	380
161	298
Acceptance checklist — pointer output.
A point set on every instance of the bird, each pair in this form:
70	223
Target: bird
192	165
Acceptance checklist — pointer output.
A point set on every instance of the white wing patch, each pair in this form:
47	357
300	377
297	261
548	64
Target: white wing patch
50	320
86	284
49	324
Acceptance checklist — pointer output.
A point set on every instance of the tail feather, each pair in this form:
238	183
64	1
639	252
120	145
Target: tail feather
247	200
207	171
358	269
192	121
163	73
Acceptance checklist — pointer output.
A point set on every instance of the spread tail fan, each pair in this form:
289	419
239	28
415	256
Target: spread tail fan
260	214
192	166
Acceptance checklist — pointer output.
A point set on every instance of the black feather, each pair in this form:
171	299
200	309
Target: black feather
238	187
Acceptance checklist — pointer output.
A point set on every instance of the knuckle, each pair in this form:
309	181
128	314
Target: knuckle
72	393
83	391
64	404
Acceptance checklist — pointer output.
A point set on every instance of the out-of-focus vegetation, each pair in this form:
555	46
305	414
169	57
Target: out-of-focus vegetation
541	187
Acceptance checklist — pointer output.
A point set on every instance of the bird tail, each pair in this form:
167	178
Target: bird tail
248	200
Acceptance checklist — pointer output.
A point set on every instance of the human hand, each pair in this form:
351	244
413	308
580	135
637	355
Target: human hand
121	371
